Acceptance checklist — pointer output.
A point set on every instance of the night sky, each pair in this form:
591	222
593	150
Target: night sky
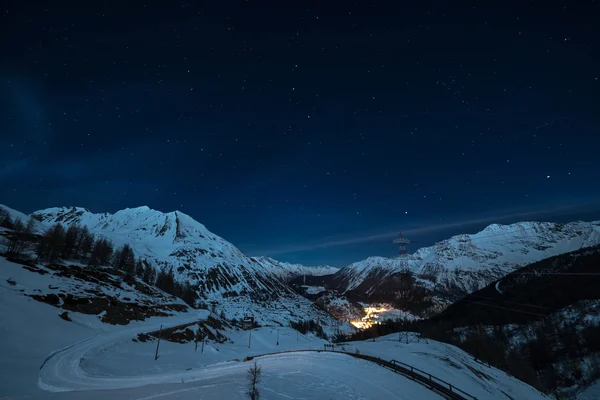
308	131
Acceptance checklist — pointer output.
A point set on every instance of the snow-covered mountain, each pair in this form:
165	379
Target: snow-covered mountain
465	263
15	215
287	271
176	241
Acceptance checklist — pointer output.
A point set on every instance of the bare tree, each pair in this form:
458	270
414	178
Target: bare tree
31	224
254	376
149	274
84	244
139	268
16	244
18	225
5	219
51	243
71	238
101	252
124	259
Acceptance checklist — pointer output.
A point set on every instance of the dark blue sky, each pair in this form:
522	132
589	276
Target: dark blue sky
288	128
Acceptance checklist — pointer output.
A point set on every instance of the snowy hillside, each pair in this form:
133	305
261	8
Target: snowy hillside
217	268
83	358
465	263
448	363
175	240
287	271
24	218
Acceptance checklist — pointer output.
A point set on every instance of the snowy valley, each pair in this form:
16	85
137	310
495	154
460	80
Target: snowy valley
427	281
102	327
86	357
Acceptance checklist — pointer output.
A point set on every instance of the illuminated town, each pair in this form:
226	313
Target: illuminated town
371	316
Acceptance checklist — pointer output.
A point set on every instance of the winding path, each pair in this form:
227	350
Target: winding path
62	371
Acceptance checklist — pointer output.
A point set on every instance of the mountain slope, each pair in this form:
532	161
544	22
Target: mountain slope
287	271
531	292
547	313
217	268
14	215
462	264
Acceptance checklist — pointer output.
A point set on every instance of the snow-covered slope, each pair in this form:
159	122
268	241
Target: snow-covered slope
590	393
287	271
84	358
33	297
468	262
217	268
14	215
448	363
175	240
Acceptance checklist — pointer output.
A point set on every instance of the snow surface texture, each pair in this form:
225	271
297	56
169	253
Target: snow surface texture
242	285
591	393
49	283
45	357
14	215
466	263
448	363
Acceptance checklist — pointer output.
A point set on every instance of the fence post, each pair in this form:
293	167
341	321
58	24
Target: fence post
158	343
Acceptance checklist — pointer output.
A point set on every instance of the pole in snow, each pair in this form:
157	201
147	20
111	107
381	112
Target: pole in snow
158	343
277	337
250	337
203	341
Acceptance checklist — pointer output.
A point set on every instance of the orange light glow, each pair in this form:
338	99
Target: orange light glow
372	313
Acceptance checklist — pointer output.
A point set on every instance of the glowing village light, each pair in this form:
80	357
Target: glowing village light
370	318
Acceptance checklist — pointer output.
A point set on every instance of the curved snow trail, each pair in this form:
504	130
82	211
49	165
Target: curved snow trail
286	375
61	371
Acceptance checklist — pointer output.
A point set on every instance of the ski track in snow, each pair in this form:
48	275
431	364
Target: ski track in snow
285	375
62	371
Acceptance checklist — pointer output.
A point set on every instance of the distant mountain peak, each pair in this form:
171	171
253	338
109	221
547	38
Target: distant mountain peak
287	271
176	240
463	263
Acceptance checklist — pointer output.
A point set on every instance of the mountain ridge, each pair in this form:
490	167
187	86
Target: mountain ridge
220	271
289	271
464	263
440	274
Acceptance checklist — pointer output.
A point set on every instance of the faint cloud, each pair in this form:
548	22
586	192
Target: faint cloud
507	215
